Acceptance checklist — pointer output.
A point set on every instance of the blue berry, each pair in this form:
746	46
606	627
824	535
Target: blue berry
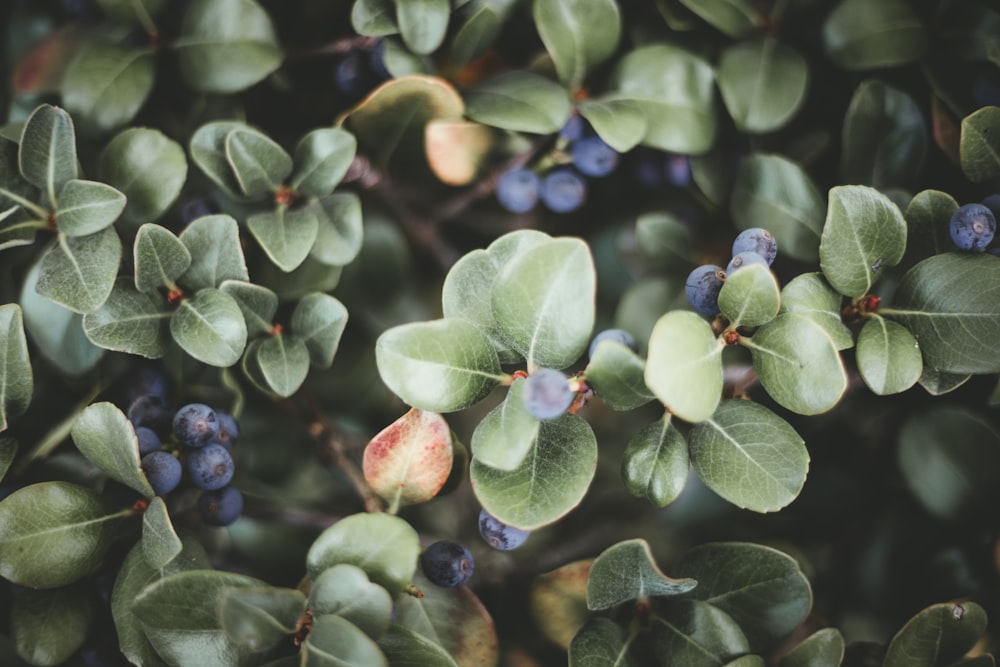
972	227
678	170
745	258
211	467
993	203
563	190
352	74
756	240
376	61
447	563
648	171
547	393
619	335
499	535
150	411
196	208
220	507
593	157
196	424
574	128
149	442
229	430
163	471
517	190
702	288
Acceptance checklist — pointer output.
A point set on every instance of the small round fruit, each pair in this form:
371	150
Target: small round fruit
499	535
196	424
972	227
702	288
618	335
220	507
517	190
593	156
563	190
163	471
149	410
758	240
211	467
229	430
743	259
678	170
574	128
547	393
447	563
149	442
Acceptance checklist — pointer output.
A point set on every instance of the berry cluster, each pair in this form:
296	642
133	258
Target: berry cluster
973	226
703	284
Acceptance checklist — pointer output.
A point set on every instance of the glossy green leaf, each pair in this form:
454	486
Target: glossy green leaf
106	84
810	295
286	235
208	151
606	587
49	626
209	326
321	160
87	207
257	619
938	635
696	634
761	588
884	138
776	194
340	233
505	436
345	590
336	642
980	148
519	100
948	455
862	35
384	546
47	155
823	648
16	378
675	90
409	460
616	374
441	366
684	365
257	303
550	481
600	641
259	164
750	296
131	322
735	18
374	18
864	234
52	534
578	34
159	258
216	255
319	321
938	383
927	218
148	167
620	123
106	437
79	271
226	45
406	648
798	364
656	463
422	23
888	356
750	456
160	543
763	84
951	304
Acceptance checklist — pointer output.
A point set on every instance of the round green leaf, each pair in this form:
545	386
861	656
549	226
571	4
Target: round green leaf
519	100
16	378
505	436
684	365
578	34
321	159
160	544
656	463
550	481
106	437
319	321
374	18
286	235
148	167
860	35
980	147
402	645
259	164
750	296
336	642
257	619
47	154
257	303
750	456
939	635
798	364
616	374
440	366
208	150
927	217
620	123
106	84
823	648
49	626
79	271
809	294
87	207
209	326
52	534
384	546
763	84
888	356
159	257
346	591
340	234
600	641
422	23
216	253
409	460
476	33
735	18
696	634
607	587
131	322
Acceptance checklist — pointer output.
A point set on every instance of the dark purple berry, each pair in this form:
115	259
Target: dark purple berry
229	430
196	424
220	507
574	128
617	335
517	190
563	190
745	258
756	240
447	563
499	535
150	411
210	467
593	156
702	288
352	74
972	227
163	471
547	393
149	442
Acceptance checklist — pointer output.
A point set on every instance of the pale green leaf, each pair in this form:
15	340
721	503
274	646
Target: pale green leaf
148	167
87	207
106	84
888	356
980	147
684	365
750	296
106	437
621	123
862	35
519	100
810	295
16	377
47	155
79	271
578	34
160	544
345	590
321	160
159	257
257	303
259	164
938	635
763	84
422	23
336	642
130	321
283	362
507	434
216	254
616	374
607	587
286	235
319	321
210	327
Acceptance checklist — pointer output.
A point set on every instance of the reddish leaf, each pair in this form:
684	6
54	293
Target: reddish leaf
41	69
409	461
456	149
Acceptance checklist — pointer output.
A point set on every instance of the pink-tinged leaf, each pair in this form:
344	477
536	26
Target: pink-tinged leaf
41	69
457	149
410	460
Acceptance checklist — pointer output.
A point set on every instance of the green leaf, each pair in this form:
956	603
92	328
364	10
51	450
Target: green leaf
775	193
374	18
259	164
286	235
663	239
216	254
257	619
160	544
47	155
763	84
505	436
258	305
409	461
130	321
159	257
656	463
386	547
106	84
620	123
823	648
938	635
951	304
864	233
49	626
311	276
8	451
550	481
884	138
422	23
750	456
283	362
477	32
735	18
79	271
938	383
345	590
600	642
616	374
696	634
87	207
105	436
339	236
226	45
52	534
980	147
321	160
578	34
336	642
809	294
405	648
761	588
888	356
927	218
684	365
440	366
750	296
606	587
948	457
675	90
16	378
319	321
860	35
148	167
209	326
519	100
208	150
798	364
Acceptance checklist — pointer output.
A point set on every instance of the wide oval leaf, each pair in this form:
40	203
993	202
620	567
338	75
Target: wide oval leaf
340	233
810	295
888	356
49	626
259	618
600	641
336	642
159	258
519	100
345	590
286	235
507	433
620	123
283	362
938	635
208	150
684	365
656	463
160	544
106	437
750	296
257	303
763	84
16	378
321	160
578	34
130	321
823	648
868	35
87	207
216	253
606	587
696	634
79	271
617	376
927	217
403	646
422	23
979	149
210	327
47	153
319	321
106	84
409	461
259	164
374	18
